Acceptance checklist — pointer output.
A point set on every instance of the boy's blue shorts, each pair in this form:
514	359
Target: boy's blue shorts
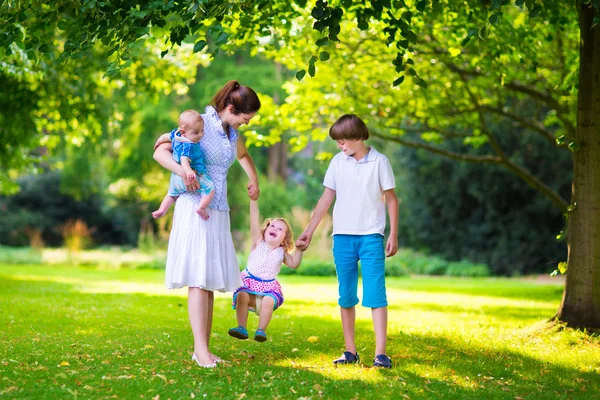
369	249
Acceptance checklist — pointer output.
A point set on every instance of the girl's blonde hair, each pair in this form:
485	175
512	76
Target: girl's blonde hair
288	240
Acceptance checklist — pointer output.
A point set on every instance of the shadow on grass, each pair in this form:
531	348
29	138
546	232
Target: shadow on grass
134	345
510	288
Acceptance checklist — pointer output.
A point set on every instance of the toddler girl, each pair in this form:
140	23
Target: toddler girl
261	291
186	151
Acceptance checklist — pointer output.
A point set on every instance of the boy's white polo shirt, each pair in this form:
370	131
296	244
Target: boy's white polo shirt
359	185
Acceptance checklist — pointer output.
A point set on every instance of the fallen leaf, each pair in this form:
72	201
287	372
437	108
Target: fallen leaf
64	364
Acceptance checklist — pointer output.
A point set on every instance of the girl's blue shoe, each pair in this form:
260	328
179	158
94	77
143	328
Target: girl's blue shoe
239	333
260	335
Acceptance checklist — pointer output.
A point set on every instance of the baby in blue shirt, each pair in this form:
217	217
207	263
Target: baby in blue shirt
187	152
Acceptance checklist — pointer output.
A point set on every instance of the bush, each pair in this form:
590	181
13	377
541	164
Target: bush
20	255
466	268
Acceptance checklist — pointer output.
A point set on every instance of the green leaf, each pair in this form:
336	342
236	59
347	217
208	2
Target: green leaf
412	72
311	70
398	81
562	267
300	74
324	56
199	46
410	36
313	59
317	12
322	42
420	82
535	12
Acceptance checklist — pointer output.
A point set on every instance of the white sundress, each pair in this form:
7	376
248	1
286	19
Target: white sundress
201	253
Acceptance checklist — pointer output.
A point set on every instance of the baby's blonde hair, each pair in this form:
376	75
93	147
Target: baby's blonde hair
194	115
288	240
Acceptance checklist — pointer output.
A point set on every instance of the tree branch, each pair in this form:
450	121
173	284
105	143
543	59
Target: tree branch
533	125
521	172
437	150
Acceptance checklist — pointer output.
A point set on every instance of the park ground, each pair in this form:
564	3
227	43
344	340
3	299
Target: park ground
77	332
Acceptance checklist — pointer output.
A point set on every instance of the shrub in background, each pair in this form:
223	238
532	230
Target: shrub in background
76	235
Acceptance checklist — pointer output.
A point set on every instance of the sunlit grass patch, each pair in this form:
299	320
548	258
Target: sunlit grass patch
117	333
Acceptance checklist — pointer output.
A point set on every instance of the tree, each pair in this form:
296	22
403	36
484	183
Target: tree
68	29
485	85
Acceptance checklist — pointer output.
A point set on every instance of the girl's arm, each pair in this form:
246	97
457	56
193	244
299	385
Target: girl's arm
320	210
247	163
293	261
163	156
392	204
255	233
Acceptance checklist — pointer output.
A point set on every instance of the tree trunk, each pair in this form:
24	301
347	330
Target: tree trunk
580	306
278	158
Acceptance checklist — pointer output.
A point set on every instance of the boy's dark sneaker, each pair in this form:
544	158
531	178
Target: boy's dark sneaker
382	361
347	358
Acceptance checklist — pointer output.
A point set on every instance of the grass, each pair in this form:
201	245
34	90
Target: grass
76	332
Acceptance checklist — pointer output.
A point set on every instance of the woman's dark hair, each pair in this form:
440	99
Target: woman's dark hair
349	127
243	99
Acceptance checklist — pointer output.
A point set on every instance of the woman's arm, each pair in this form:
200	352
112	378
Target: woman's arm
293	261
163	156
247	163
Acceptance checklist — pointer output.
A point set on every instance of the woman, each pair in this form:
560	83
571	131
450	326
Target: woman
201	255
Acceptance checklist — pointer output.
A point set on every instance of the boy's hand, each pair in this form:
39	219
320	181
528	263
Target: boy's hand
303	241
392	246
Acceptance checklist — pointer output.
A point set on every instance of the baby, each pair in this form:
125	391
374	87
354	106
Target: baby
187	152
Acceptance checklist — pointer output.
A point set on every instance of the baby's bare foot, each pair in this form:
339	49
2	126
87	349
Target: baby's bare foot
158	213
202	213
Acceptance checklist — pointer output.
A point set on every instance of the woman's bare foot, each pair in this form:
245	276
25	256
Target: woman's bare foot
202	213
204	361
217	359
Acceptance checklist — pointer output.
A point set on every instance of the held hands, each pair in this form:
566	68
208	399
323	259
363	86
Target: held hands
303	241
391	246
253	190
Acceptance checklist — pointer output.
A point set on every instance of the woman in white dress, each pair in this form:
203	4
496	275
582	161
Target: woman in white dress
201	255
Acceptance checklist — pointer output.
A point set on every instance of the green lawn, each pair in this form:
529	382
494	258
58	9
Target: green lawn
74	332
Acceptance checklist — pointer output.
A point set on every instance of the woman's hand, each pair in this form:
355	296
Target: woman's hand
253	190
164	138
191	183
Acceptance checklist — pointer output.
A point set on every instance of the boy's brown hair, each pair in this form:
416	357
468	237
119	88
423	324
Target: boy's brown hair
288	240
349	127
